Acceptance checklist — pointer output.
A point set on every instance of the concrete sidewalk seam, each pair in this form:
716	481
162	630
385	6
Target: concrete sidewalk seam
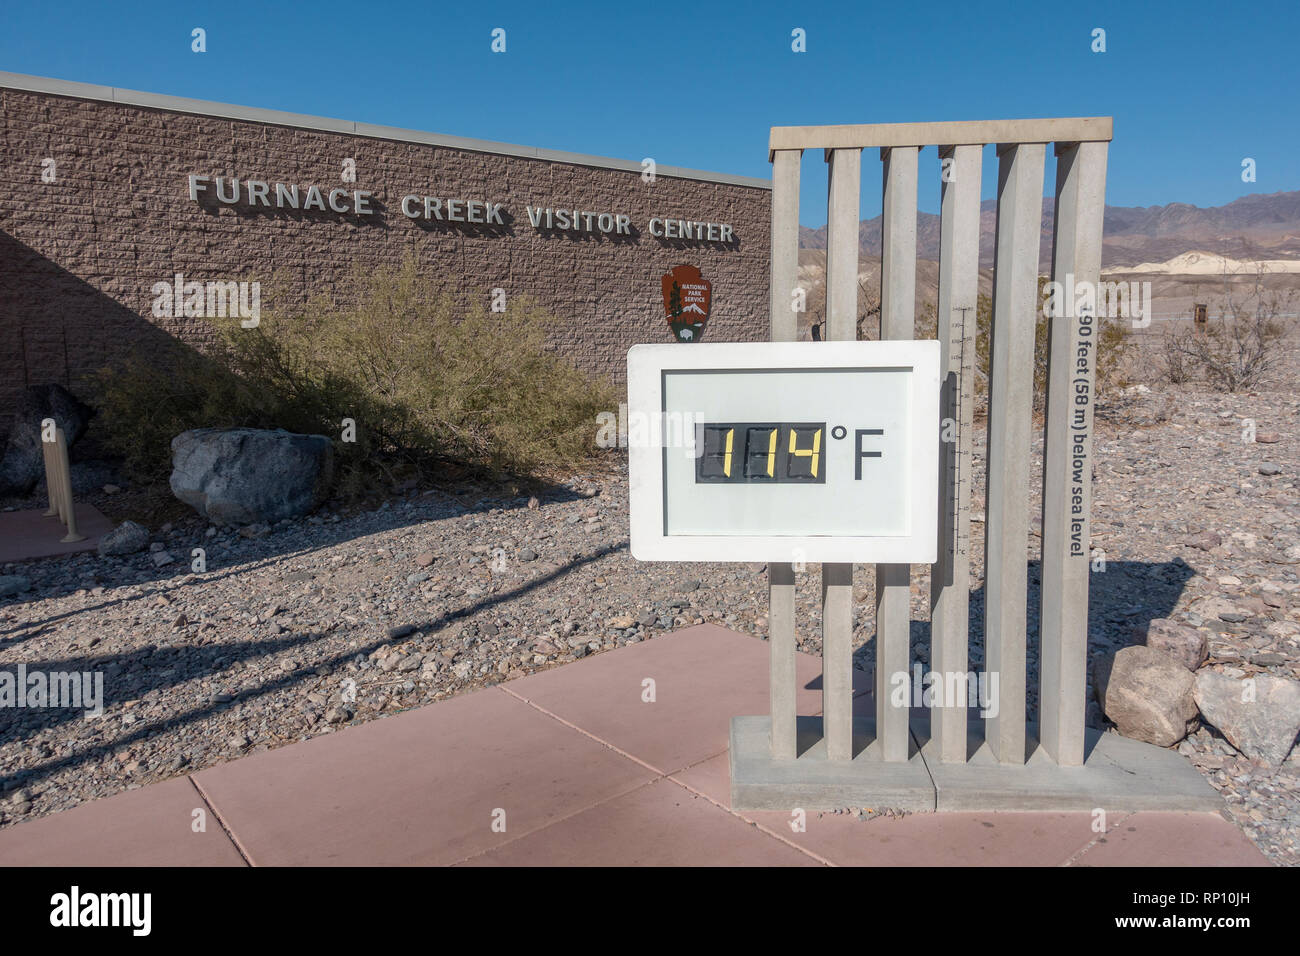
661	776
1074	857
585	733
225	827
780	837
546	826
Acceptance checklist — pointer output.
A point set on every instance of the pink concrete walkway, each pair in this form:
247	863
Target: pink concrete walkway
569	766
26	535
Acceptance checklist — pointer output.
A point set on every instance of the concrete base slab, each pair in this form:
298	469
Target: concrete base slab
812	782
1118	775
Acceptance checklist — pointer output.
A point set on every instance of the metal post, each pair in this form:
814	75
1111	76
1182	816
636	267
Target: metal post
65	486
51	489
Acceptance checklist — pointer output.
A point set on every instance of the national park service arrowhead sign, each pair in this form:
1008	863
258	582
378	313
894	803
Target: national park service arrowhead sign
686	302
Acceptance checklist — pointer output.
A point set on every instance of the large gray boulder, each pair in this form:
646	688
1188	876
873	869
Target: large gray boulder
1146	694
242	476
22	465
1259	716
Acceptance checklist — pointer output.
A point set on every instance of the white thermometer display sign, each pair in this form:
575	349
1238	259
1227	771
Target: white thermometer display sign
784	451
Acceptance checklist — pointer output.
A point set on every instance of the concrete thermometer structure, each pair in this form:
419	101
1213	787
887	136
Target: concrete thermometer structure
772	465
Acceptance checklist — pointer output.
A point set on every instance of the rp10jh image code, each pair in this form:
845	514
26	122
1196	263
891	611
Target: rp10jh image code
761	453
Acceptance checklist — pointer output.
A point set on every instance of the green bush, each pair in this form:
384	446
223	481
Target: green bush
426	377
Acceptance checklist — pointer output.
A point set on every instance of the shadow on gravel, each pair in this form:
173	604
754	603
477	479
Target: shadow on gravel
283	546
186	663
1122	600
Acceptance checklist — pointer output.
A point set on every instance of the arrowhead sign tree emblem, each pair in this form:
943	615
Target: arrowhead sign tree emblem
686	302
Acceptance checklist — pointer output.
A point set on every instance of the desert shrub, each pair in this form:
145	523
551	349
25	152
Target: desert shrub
1173	359
1114	345
1238	349
426	376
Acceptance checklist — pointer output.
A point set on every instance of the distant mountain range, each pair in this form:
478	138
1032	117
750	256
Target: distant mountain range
1253	227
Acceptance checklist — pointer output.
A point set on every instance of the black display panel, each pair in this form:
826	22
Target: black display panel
761	453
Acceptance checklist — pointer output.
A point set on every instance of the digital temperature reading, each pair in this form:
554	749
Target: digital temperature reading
761	452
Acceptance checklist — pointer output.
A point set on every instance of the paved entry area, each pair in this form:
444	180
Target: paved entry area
25	535
572	766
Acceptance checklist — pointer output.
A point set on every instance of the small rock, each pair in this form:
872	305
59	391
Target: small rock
534	504
1268	659
1186	645
1268	468
1290	555
112	490
622	622
12	584
648	618
1147	694
424	560
1205	541
1267	438
401	630
1259	716
126	538
527	554
162	557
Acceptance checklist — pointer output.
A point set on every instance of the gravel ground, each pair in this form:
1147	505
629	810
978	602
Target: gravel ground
300	629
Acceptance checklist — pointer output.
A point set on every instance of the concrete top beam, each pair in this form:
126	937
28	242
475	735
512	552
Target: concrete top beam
252	114
1080	129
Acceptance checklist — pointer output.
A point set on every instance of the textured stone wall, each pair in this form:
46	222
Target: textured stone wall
78	256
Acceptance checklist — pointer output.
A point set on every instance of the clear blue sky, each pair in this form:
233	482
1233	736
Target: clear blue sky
1194	87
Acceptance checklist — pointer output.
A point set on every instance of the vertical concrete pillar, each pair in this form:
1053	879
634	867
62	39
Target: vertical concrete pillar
843	192
1067	453
51	489
785	243
898	243
897	321
1011	383
780	575
837	660
843	215
959	249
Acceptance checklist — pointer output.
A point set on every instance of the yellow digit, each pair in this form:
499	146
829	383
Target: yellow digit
771	454
726	459
806	452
